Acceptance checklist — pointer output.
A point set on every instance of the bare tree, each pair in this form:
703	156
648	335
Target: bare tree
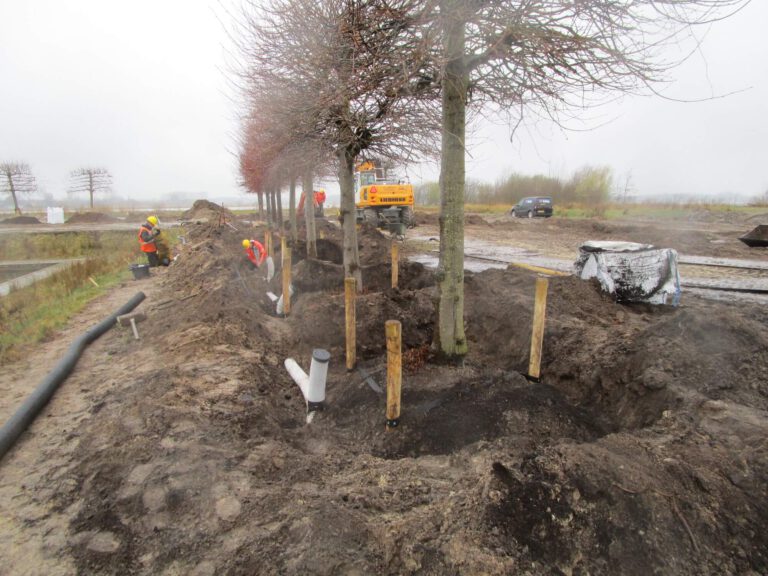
92	181
544	57
16	178
343	77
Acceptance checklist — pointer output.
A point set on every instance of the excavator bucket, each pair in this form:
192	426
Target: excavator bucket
757	238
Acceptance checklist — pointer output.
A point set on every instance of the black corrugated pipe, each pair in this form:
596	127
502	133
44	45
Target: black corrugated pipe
23	417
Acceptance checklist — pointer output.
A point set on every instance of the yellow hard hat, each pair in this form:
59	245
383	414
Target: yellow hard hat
246	243
152	220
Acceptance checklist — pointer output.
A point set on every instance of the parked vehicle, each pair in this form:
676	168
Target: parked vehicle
533	206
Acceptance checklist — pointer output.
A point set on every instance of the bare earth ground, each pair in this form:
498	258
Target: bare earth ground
642	451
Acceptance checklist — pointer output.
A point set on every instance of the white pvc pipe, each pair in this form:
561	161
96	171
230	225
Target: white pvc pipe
318	372
270	268
313	385
279	305
299	376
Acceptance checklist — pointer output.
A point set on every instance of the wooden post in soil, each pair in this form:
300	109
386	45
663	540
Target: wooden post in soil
350	291
268	241
393	330
285	251
537	334
395	262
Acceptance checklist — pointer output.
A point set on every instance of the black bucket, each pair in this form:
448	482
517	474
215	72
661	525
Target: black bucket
140	271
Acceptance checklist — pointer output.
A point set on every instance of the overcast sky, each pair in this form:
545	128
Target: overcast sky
139	87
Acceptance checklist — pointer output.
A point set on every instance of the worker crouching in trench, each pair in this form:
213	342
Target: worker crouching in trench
154	244
255	252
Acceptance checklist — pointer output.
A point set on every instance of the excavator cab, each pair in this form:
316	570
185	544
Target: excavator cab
382	202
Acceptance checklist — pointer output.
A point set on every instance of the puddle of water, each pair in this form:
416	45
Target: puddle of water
470	264
499	256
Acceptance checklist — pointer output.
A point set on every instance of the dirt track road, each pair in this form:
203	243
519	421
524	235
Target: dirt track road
34	533
705	249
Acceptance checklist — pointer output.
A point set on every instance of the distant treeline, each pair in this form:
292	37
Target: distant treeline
591	185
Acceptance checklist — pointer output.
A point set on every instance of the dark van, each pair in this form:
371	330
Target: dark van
533	206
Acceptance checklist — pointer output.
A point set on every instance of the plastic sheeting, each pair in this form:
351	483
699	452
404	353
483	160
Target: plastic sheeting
631	272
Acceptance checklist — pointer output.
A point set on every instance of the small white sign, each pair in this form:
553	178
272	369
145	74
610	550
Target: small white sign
55	215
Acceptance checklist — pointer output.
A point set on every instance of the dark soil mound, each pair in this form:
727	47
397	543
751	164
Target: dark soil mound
475	220
21	220
758	236
426	218
91	218
328	249
432	219
317	320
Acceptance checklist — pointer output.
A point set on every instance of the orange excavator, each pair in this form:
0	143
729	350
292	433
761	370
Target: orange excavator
318	197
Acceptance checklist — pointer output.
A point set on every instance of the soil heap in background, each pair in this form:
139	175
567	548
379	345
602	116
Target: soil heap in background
21	220
90	218
433	218
205	210
642	451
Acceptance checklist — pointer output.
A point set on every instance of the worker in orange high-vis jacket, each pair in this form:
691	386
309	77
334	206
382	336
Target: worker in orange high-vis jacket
147	235
255	252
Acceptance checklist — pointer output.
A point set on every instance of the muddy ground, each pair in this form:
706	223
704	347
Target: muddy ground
642	450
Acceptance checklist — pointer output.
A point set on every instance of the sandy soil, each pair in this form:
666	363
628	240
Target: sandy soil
641	451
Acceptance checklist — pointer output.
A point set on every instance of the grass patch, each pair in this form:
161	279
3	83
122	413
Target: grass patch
69	245
649	210
487	208
34	313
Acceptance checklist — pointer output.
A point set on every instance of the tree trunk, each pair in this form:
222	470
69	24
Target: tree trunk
347	217
270	210
90	188
450	340
292	210
16	209
275	217
261	205
309	214
280	219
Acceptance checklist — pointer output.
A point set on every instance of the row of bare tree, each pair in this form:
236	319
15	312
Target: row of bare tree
16	179
331	82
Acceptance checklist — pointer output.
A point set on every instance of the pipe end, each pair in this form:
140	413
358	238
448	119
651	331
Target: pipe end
321	355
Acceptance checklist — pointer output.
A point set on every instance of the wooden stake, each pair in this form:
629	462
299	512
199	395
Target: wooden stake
268	242
135	330
286	254
395	262
392	329
537	334
350	290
